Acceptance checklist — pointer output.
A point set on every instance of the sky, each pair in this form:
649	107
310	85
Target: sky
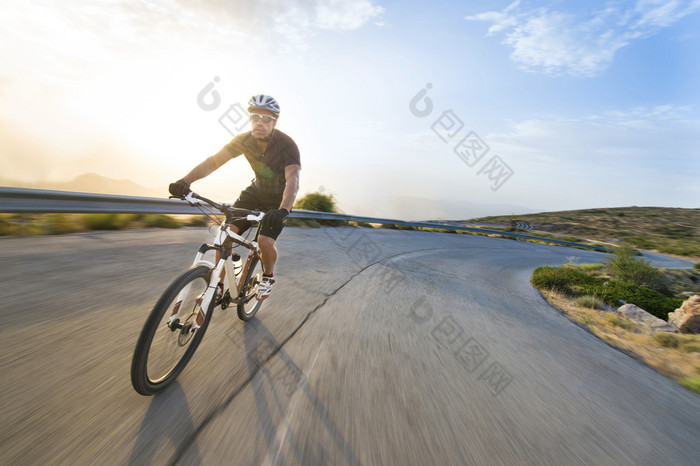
410	110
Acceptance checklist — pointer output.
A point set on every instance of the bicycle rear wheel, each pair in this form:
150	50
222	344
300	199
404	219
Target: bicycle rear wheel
248	305
163	351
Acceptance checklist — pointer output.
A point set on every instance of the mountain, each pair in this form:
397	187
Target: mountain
93	183
415	208
668	230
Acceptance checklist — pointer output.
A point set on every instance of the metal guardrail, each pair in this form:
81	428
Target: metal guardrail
25	200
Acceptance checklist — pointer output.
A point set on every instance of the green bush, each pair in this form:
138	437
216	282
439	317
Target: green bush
573	282
59	224
590	268
106	221
651	301
561	279
317	201
160	221
691	383
21	225
667	339
625	266
321	203
551	278
591	302
7	227
197	222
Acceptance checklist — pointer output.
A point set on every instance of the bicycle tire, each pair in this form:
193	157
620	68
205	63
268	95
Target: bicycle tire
249	305
149	380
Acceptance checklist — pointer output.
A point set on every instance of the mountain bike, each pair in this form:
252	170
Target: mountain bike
176	325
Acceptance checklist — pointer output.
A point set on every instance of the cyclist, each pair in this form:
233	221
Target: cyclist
274	157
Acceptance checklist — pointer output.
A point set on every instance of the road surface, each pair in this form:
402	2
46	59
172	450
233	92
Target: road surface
376	347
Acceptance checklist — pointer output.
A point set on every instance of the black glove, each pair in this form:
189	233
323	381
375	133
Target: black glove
180	188
277	216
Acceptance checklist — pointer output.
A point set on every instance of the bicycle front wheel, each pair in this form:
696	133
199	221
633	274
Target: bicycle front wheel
164	348
248	305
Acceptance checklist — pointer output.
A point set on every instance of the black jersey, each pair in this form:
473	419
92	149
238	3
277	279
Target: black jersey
269	165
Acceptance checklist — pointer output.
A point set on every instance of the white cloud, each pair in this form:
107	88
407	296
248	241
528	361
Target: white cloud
294	19
637	156
345	14
78	72
97	30
583	44
657	113
500	19
60	44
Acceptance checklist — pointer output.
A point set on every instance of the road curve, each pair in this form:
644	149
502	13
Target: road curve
376	347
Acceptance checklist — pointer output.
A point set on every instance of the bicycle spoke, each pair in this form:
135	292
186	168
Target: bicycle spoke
166	344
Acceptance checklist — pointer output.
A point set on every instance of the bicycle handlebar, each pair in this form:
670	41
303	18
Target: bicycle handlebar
226	209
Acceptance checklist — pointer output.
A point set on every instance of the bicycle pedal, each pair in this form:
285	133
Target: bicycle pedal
174	325
224	301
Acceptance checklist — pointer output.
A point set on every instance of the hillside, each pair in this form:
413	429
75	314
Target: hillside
666	230
92	183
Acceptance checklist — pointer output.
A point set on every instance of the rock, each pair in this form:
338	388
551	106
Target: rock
646	322
687	317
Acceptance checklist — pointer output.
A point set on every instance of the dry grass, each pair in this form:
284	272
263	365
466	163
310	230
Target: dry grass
678	363
58	224
667	230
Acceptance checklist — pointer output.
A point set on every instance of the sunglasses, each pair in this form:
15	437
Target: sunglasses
259	116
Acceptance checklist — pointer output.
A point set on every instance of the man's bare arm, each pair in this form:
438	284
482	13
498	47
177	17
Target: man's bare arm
291	174
208	166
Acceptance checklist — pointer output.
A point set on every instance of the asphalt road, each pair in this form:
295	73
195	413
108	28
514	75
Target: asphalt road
376	347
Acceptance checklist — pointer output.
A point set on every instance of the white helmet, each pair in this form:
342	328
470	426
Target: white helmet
264	102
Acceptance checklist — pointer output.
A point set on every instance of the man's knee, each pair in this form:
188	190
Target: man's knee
266	242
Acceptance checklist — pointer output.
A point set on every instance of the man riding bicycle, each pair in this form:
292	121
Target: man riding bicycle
275	159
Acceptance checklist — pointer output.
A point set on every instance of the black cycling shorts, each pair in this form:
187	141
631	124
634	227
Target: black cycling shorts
253	198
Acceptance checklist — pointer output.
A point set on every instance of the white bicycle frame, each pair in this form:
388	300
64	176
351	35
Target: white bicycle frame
227	264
